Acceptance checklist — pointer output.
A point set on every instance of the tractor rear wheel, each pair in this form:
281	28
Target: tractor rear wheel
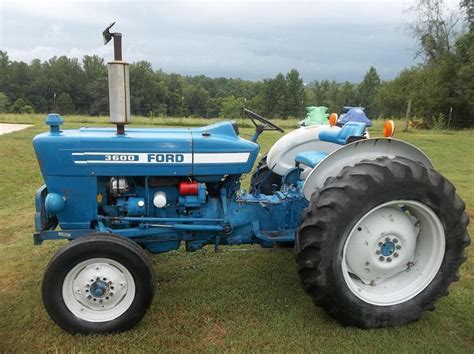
380	243
98	284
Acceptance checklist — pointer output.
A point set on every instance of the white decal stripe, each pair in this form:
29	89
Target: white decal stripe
231	157
199	158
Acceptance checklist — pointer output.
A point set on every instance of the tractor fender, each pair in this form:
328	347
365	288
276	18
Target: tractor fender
353	153
281	157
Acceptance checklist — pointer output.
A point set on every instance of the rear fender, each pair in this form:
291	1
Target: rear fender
353	153
281	157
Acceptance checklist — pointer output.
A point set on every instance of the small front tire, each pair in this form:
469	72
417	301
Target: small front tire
100	283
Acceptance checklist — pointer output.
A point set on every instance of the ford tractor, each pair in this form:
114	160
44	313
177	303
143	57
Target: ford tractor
379	234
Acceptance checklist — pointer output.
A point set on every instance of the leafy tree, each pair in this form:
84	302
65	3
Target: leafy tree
368	91
96	96
468	7
3	102
64	104
195	100
148	94
274	96
434	27
464	83
231	107
294	100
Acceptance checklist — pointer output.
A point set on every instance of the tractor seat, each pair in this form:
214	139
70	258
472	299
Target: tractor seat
310	158
340	137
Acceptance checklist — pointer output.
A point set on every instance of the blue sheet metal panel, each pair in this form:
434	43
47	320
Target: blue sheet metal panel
157	152
47	148
100	152
81	203
215	150
218	150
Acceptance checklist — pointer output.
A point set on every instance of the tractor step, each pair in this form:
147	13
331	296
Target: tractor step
277	236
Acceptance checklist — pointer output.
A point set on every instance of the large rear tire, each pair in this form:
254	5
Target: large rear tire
380	243
100	283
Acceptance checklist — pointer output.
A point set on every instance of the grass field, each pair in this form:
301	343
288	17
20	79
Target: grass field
243	299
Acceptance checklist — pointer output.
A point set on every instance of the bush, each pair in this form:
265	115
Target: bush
22	104
438	122
27	110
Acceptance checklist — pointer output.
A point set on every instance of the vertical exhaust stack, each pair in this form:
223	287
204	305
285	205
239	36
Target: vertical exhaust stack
119	83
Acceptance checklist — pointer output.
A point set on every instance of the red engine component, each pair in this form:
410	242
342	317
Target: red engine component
188	188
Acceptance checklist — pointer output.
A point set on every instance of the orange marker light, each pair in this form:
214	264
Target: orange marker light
332	119
388	128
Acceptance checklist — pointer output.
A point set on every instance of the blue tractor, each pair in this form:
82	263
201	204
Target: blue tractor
379	234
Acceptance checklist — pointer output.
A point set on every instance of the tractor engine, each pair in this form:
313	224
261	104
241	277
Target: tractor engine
150	196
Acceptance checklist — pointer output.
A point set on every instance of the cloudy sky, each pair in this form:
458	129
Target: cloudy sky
248	39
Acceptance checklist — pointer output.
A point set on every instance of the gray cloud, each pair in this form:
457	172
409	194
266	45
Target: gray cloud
251	40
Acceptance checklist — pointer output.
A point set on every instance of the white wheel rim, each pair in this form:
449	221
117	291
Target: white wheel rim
393	252
98	290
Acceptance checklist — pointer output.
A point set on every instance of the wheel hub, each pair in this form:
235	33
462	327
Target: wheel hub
382	249
99	288
387	249
374	250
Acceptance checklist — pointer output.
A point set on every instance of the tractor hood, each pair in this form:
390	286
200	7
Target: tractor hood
213	150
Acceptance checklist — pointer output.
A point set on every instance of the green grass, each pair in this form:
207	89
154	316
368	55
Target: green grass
243	299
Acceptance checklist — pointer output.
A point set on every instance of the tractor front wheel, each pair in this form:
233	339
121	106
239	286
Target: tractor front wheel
380	243
98	284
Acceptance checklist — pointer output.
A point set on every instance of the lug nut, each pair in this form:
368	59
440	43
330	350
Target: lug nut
389	259
377	252
380	244
395	240
395	254
387	239
398	247
382	258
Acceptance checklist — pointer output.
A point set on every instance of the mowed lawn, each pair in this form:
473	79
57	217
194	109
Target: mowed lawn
242	299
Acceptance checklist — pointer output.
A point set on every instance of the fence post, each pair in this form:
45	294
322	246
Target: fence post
450	114
407	115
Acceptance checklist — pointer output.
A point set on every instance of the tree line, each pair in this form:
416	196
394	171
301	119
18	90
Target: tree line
444	82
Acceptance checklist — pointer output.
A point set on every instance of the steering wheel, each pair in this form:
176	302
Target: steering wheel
267	125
